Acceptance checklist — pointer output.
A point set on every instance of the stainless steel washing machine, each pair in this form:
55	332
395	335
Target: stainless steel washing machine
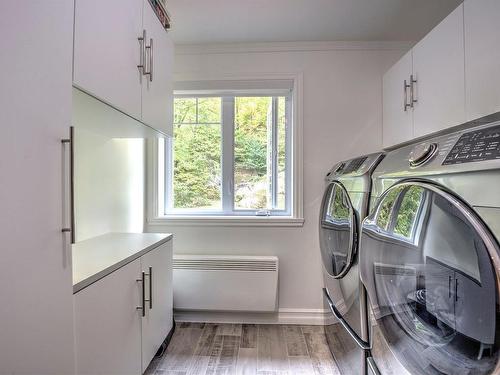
345	203
429	256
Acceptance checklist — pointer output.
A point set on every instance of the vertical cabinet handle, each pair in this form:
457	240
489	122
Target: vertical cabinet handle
143	290
413	82
449	286
456	290
150	288
406	86
149	71
64	142
142	55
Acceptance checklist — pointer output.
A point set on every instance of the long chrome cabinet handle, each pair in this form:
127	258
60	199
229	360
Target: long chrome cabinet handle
69	141
142	56
361	343
406	86
150	70
413	82
150	288
143	287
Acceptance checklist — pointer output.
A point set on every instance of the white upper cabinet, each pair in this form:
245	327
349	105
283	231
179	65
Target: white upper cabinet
115	63
398	117
438	68
107	51
157	87
482	57
434	91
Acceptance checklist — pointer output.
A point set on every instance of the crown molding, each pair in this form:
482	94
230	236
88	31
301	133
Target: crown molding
203	49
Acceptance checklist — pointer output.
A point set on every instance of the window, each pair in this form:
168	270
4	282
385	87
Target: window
230	155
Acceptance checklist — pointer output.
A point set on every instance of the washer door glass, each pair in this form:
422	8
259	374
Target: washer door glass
337	230
428	263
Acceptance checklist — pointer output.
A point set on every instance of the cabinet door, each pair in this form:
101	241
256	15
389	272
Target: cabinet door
439	284
107	52
474	308
36	311
108	324
158	320
398	122
157	91
438	66
482	56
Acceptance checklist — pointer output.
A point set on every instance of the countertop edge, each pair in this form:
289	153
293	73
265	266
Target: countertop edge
101	274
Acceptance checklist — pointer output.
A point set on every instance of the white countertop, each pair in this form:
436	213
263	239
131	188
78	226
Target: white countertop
99	256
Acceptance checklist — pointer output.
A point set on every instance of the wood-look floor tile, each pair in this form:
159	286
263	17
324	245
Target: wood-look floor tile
312	329
180	352
198	365
301	365
207	338
203	349
229	330
321	357
168	372
229	352
191	325
246	363
295	341
215	351
249	336
272	354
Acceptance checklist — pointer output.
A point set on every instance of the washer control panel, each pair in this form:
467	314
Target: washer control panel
476	145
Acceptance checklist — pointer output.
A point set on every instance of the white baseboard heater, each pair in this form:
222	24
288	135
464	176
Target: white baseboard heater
225	283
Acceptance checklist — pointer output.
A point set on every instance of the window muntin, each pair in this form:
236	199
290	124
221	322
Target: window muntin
241	146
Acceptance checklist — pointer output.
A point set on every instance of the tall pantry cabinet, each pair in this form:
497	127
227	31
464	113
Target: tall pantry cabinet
36	308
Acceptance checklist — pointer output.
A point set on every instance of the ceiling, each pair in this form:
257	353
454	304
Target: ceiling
247	21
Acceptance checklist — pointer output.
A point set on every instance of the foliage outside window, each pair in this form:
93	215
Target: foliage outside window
407	213
229	156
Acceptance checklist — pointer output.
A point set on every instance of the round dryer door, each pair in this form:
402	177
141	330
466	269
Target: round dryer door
430	268
337	230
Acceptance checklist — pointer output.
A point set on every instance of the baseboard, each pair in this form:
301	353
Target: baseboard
283	316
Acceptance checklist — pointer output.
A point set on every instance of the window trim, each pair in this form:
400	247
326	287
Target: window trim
295	176
227	123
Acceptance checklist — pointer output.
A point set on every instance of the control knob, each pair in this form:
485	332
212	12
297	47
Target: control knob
422	153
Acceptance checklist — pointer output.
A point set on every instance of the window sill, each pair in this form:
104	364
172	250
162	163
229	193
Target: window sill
227	221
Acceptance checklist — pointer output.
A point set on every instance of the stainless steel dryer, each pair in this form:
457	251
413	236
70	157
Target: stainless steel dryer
429	256
345	202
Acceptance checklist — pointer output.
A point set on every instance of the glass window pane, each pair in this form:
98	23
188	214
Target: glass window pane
184	110
281	188
252	163
385	209
197	161
209	110
405	219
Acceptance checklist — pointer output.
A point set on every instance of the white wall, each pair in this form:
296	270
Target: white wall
342	117
109	169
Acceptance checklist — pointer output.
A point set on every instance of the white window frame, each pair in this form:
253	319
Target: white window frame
227	160
294	205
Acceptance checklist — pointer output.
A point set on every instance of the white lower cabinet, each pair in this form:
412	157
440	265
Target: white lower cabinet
108	324
158	319
112	335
